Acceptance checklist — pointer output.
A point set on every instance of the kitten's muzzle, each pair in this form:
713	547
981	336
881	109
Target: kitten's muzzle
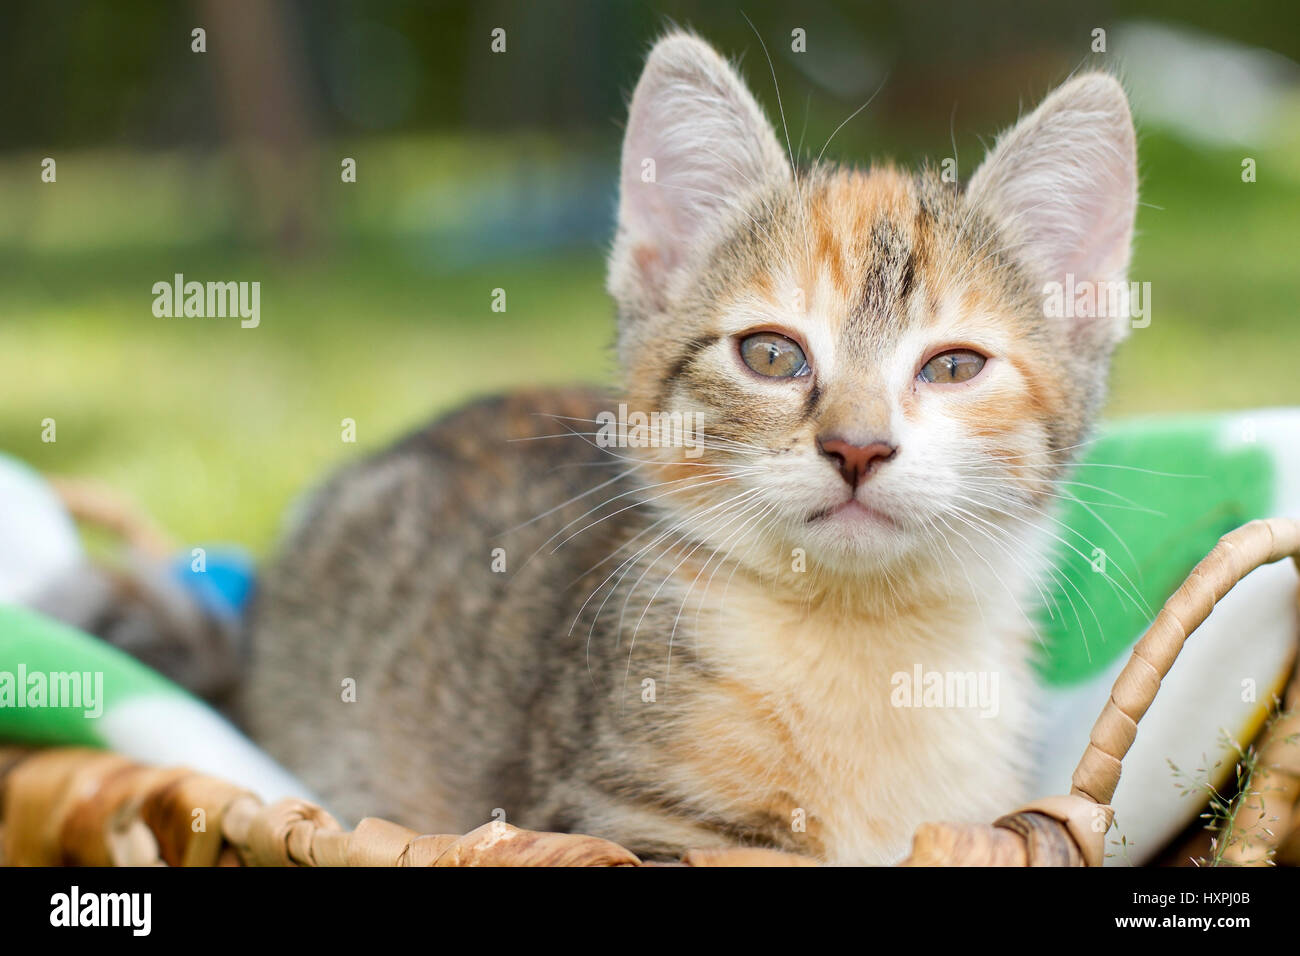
856	463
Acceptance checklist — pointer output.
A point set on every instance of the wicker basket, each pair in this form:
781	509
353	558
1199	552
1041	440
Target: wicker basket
74	806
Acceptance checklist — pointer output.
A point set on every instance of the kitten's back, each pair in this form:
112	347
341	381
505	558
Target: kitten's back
389	579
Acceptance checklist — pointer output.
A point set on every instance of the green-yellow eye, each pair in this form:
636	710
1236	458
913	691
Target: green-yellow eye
948	368
773	355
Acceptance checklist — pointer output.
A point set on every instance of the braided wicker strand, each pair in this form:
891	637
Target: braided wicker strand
76	806
1237	554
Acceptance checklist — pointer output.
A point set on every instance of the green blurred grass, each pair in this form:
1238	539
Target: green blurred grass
215	428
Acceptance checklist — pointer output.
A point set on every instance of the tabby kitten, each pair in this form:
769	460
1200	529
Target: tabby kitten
706	639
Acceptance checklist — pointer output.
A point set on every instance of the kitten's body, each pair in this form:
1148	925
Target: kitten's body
474	689
688	648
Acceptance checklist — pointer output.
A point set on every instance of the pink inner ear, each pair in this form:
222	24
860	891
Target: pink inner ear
1085	227
1104	247
711	145
651	211
648	261
1064	183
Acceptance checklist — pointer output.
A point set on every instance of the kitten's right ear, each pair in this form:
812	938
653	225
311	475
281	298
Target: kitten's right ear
696	145
1063	185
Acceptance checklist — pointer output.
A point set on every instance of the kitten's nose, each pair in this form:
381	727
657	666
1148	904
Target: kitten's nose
856	462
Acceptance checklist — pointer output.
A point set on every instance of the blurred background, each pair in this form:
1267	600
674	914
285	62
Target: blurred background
478	170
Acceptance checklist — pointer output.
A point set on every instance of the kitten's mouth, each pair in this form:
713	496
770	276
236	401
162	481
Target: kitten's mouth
852	511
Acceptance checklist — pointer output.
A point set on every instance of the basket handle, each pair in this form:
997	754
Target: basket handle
1238	553
94	504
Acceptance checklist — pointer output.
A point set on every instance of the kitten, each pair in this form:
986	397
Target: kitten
692	640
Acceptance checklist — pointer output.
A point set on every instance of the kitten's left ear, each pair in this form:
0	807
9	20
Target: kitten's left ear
1062	184
697	145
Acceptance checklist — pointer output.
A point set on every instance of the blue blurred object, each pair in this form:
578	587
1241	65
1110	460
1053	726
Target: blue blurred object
224	586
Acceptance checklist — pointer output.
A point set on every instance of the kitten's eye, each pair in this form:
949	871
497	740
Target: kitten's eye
947	368
773	355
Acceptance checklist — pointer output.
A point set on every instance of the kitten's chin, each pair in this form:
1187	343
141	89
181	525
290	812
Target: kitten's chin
853	537
850	515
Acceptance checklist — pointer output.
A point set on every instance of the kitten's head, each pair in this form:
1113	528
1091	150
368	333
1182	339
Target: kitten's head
871	355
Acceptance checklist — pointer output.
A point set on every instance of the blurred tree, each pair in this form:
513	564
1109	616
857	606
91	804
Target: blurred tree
263	107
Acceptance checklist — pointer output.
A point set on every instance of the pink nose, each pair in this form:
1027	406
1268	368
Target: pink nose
856	462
